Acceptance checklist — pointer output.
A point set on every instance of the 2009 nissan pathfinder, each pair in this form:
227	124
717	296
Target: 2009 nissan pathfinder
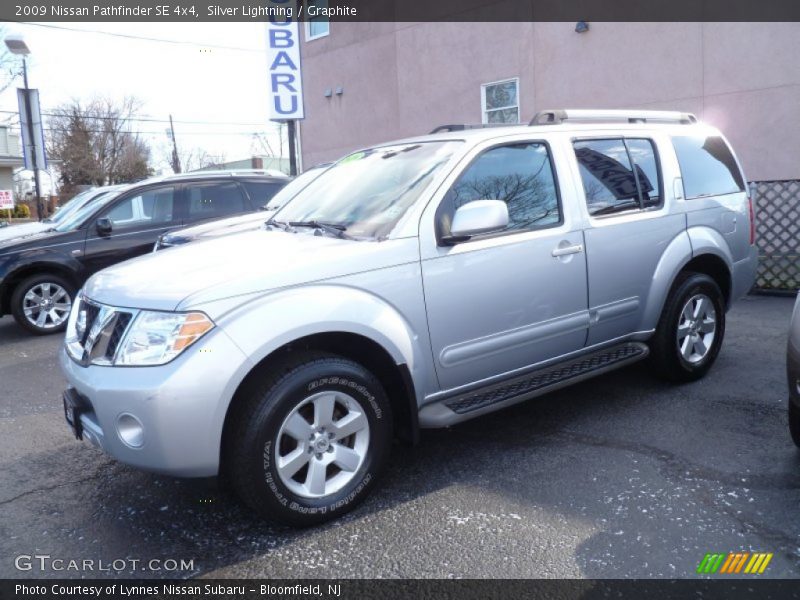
414	284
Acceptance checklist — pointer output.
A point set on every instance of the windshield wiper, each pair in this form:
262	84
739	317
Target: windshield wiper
278	224
333	229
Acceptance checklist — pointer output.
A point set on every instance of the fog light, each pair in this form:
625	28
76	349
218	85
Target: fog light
130	430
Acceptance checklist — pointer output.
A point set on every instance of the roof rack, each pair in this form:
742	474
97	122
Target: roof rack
228	172
555	117
462	127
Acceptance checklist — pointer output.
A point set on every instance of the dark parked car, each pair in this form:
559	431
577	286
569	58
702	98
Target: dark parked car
793	371
61	214
241	223
40	273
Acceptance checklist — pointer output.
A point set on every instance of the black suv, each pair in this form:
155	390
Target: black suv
40	273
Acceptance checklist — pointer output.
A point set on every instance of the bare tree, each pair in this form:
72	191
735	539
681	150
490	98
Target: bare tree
199	158
96	143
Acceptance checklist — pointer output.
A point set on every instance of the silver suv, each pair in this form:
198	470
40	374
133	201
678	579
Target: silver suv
418	283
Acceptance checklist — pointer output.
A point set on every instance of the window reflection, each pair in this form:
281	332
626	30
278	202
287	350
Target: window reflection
521	175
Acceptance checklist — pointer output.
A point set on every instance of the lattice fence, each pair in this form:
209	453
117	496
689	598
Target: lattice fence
777	205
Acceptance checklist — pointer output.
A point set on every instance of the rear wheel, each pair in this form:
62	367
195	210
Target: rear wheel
690	331
42	303
794	422
308	444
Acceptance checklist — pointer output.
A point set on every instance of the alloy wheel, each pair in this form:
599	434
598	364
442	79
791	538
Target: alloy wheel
322	444
46	305
697	328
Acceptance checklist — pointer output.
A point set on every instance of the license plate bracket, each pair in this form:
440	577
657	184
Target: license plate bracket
73	407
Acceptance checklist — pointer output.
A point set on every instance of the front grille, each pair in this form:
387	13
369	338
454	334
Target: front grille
99	330
123	320
91	310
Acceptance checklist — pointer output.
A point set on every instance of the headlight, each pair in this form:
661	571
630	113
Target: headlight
156	338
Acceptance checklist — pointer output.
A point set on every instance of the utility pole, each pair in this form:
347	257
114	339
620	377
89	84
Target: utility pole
34	162
291	124
176	161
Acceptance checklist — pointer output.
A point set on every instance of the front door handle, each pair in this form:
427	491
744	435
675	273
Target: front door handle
558	252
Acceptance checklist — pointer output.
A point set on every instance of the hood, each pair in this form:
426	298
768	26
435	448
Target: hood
14	231
223	227
247	263
34	240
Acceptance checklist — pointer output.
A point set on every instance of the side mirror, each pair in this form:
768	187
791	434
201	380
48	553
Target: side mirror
474	218
104	226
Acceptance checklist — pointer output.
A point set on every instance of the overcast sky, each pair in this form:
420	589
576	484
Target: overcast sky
224	90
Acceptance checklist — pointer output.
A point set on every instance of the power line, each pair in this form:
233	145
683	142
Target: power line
249	133
139	119
145	38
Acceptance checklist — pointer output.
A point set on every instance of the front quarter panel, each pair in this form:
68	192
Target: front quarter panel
265	324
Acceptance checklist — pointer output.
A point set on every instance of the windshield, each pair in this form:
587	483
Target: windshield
291	189
74	220
368	192
70	206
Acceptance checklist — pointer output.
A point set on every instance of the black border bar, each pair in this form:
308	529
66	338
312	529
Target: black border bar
409	10
751	588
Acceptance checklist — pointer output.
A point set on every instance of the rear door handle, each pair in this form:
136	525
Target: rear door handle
557	252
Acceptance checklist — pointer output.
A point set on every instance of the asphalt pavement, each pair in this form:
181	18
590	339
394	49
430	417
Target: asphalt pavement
620	476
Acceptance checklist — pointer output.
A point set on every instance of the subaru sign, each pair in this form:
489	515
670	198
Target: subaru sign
283	56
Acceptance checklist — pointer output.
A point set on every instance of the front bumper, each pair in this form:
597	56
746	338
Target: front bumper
180	406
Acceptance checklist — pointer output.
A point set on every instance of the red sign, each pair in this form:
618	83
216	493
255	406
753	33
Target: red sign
6	200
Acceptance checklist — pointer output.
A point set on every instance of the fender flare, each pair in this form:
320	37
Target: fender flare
687	245
341	309
37	261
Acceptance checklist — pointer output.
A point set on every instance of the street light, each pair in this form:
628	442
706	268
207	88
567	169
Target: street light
16	45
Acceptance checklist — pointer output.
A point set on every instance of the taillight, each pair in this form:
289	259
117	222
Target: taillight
752	221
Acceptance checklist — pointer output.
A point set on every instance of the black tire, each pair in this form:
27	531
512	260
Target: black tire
665	350
18	302
253	442
794	422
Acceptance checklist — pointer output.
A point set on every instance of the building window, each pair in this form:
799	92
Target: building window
317	27
500	101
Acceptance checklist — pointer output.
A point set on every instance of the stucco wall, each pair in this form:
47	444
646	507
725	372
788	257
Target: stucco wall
402	79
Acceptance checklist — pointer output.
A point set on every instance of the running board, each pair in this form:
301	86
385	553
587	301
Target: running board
471	404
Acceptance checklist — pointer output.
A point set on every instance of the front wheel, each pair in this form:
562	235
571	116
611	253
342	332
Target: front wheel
690	331
794	423
42	303
309	443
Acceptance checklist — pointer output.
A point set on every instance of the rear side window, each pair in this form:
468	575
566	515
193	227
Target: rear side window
618	174
261	192
521	175
211	200
707	166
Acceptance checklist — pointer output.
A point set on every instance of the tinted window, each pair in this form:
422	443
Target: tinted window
608	179
261	192
521	175
210	200
154	206
644	157
707	166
